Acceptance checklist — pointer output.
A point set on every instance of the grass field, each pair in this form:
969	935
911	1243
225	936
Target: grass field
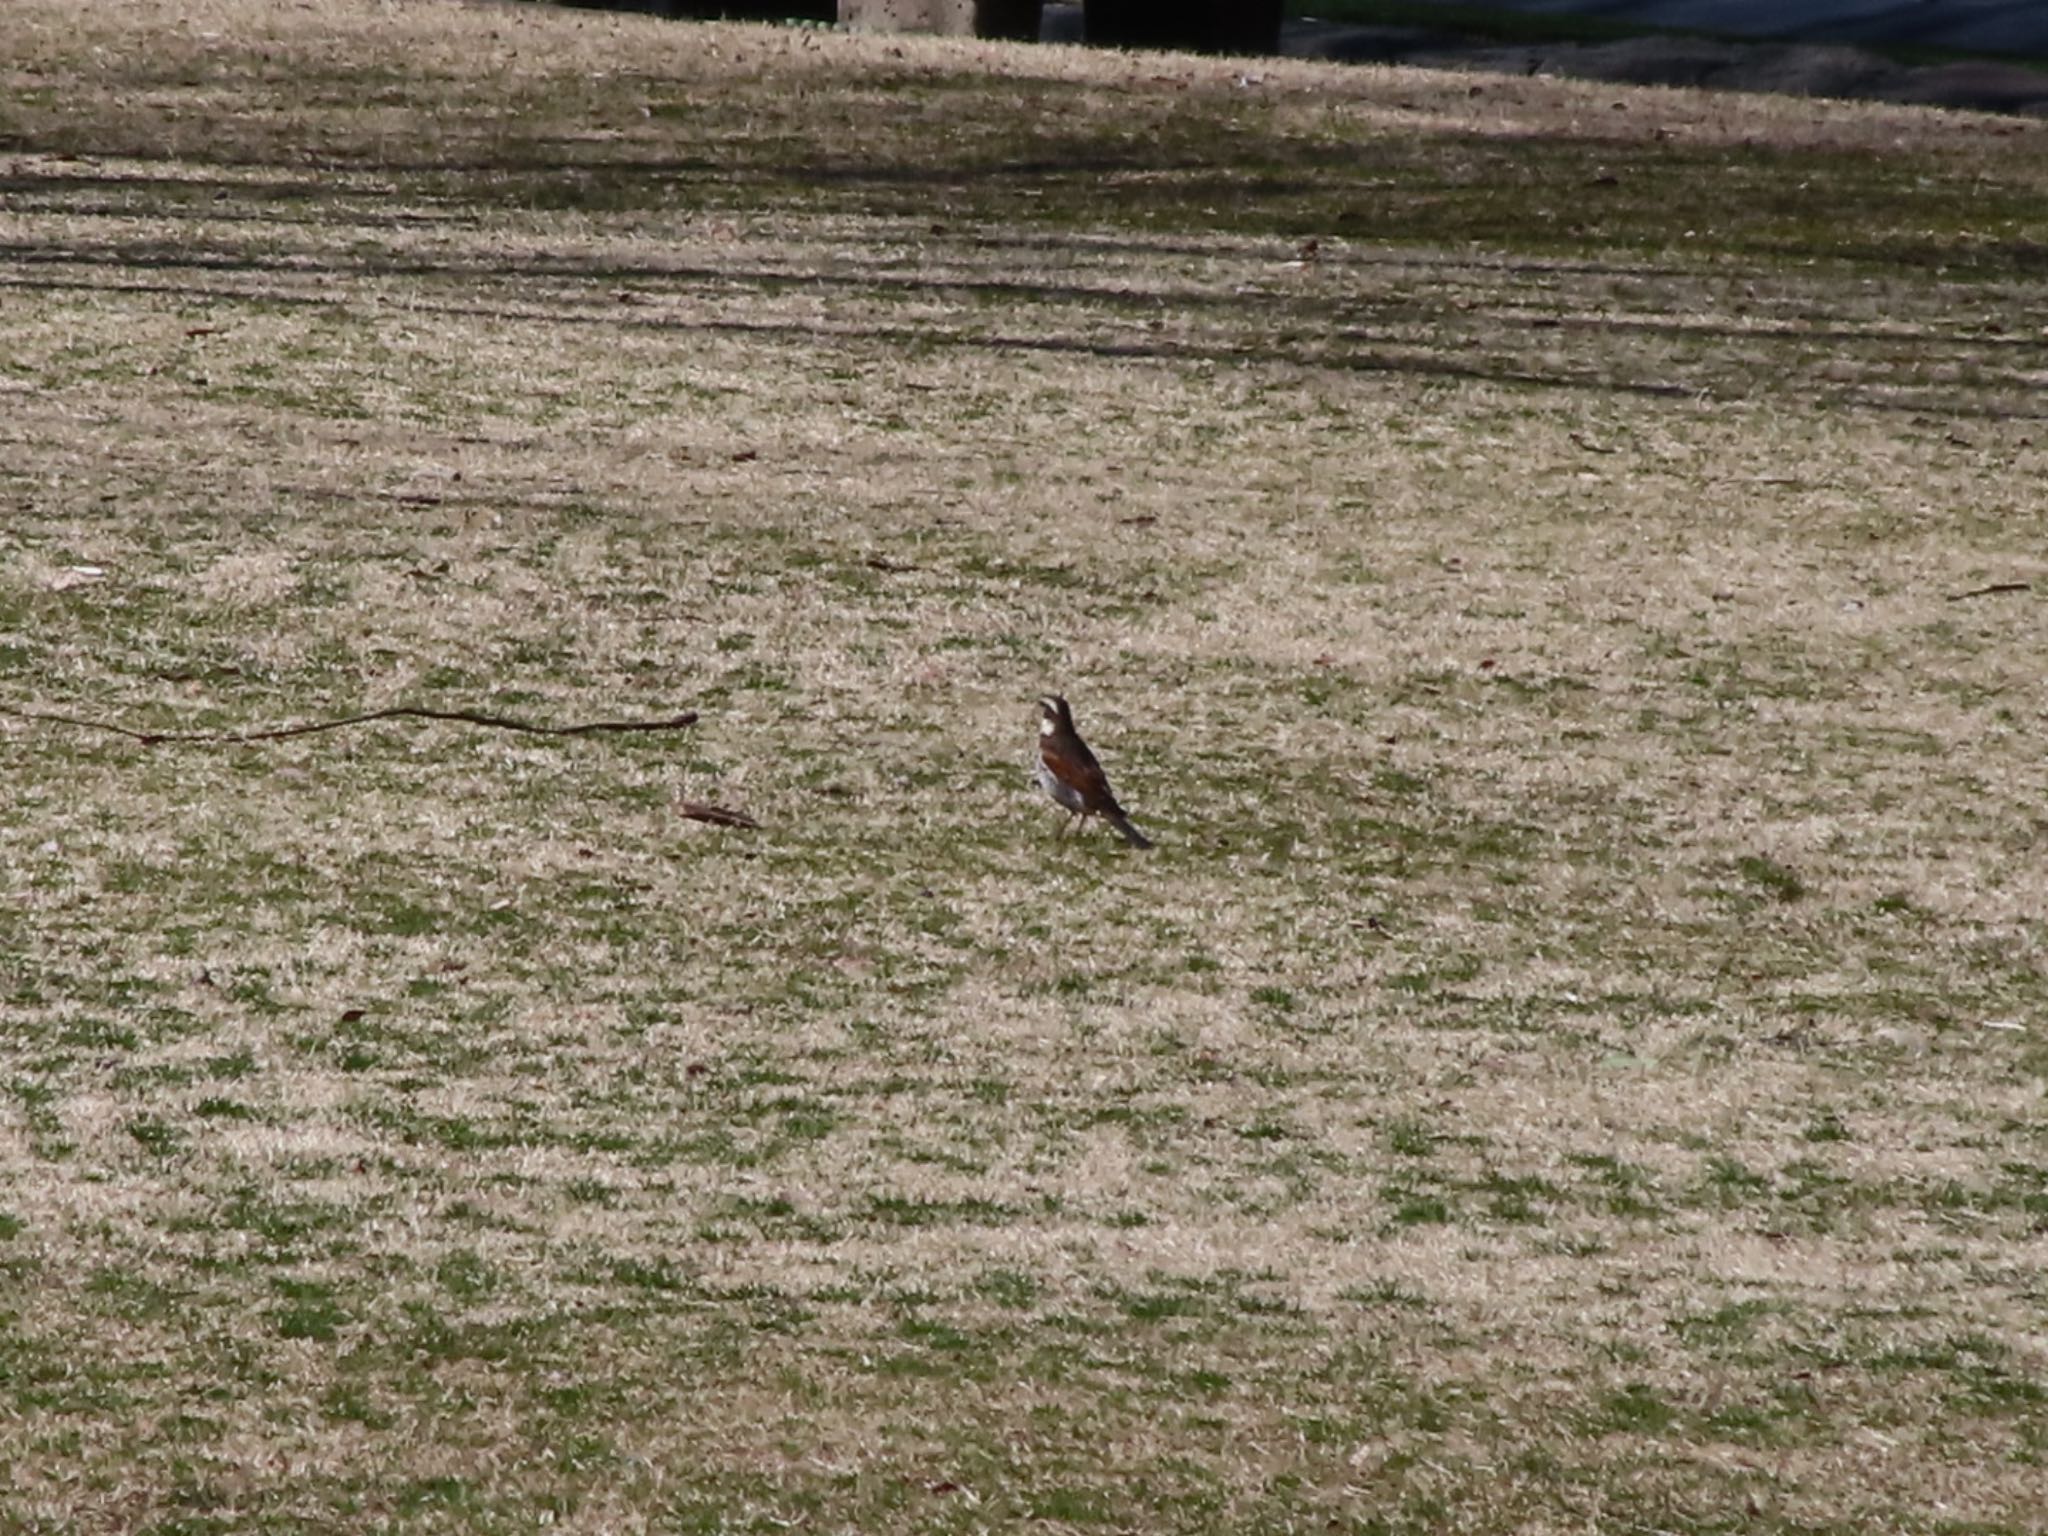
1574	1062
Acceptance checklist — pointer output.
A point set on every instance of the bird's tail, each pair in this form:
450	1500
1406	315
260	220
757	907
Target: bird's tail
1130	833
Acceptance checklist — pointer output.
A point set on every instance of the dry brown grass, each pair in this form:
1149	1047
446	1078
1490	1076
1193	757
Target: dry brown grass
1574	1061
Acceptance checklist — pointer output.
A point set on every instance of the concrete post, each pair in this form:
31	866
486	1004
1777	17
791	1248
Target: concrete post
1017	19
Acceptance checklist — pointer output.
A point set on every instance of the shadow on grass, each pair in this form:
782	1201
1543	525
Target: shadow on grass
1016	160
1325	333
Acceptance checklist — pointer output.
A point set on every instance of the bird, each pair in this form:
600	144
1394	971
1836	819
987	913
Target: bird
1068	772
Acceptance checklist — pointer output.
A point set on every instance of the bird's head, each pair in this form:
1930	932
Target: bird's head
1053	713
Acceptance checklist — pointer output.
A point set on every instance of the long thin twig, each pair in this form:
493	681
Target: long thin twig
1992	590
398	712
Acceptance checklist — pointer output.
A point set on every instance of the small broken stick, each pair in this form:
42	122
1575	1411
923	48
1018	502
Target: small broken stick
717	815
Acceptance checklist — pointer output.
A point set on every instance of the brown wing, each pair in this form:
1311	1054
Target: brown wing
1068	759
